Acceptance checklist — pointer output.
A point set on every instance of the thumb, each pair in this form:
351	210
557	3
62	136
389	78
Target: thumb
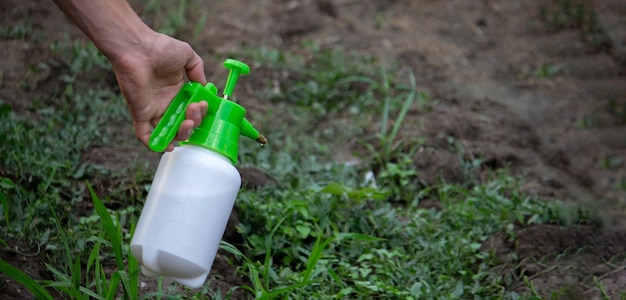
194	68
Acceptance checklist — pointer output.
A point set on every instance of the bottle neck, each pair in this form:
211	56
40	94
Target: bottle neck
208	151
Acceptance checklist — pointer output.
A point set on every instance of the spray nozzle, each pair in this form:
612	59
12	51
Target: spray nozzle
221	127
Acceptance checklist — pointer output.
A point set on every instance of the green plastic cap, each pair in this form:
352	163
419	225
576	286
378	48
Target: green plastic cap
221	127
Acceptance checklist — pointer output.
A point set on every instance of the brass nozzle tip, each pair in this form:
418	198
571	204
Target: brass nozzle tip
262	139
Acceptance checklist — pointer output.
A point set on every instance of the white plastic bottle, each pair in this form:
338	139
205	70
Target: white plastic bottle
185	215
195	186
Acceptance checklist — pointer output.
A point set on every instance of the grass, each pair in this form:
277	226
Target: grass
321	232
410	251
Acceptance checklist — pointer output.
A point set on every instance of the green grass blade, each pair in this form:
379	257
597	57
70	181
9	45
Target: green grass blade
113	284
76	274
60	276
336	278
315	256
268	248
126	285
4	202
63	288
160	283
87	292
405	109
133	268
32	285
386	105
99	277
92	259
230	248
109	227
197	30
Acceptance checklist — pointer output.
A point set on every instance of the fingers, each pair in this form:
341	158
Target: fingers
194	115
184	131
204	107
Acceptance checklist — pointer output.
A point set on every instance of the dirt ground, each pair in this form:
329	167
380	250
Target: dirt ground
548	104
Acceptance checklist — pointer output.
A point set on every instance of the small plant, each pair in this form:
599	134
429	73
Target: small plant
82	58
542	71
621	184
20	31
600	287
577	14
168	18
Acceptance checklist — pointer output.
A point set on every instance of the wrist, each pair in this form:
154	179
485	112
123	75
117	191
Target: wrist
112	25
125	33
134	41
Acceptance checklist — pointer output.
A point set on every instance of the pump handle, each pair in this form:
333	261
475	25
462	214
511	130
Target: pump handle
236	67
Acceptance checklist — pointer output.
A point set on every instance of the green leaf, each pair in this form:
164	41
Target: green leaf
23	279
458	291
303	231
335	188
416	289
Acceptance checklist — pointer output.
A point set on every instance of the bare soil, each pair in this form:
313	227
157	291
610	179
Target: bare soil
549	104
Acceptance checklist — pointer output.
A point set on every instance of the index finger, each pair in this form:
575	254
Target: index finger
142	132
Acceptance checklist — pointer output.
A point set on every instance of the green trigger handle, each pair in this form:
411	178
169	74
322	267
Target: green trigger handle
167	128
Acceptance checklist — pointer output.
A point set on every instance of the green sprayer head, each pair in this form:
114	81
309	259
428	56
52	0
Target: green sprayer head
221	127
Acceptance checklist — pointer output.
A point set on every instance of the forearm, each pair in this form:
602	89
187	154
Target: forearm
112	25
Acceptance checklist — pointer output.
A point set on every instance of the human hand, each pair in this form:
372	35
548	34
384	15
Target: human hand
150	74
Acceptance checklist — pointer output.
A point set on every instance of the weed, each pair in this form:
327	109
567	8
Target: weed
22	30
82	57
400	177
577	14
541	71
600	287
610	163
621	184
168	18
327	81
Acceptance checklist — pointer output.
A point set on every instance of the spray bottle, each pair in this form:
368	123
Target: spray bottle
195	186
